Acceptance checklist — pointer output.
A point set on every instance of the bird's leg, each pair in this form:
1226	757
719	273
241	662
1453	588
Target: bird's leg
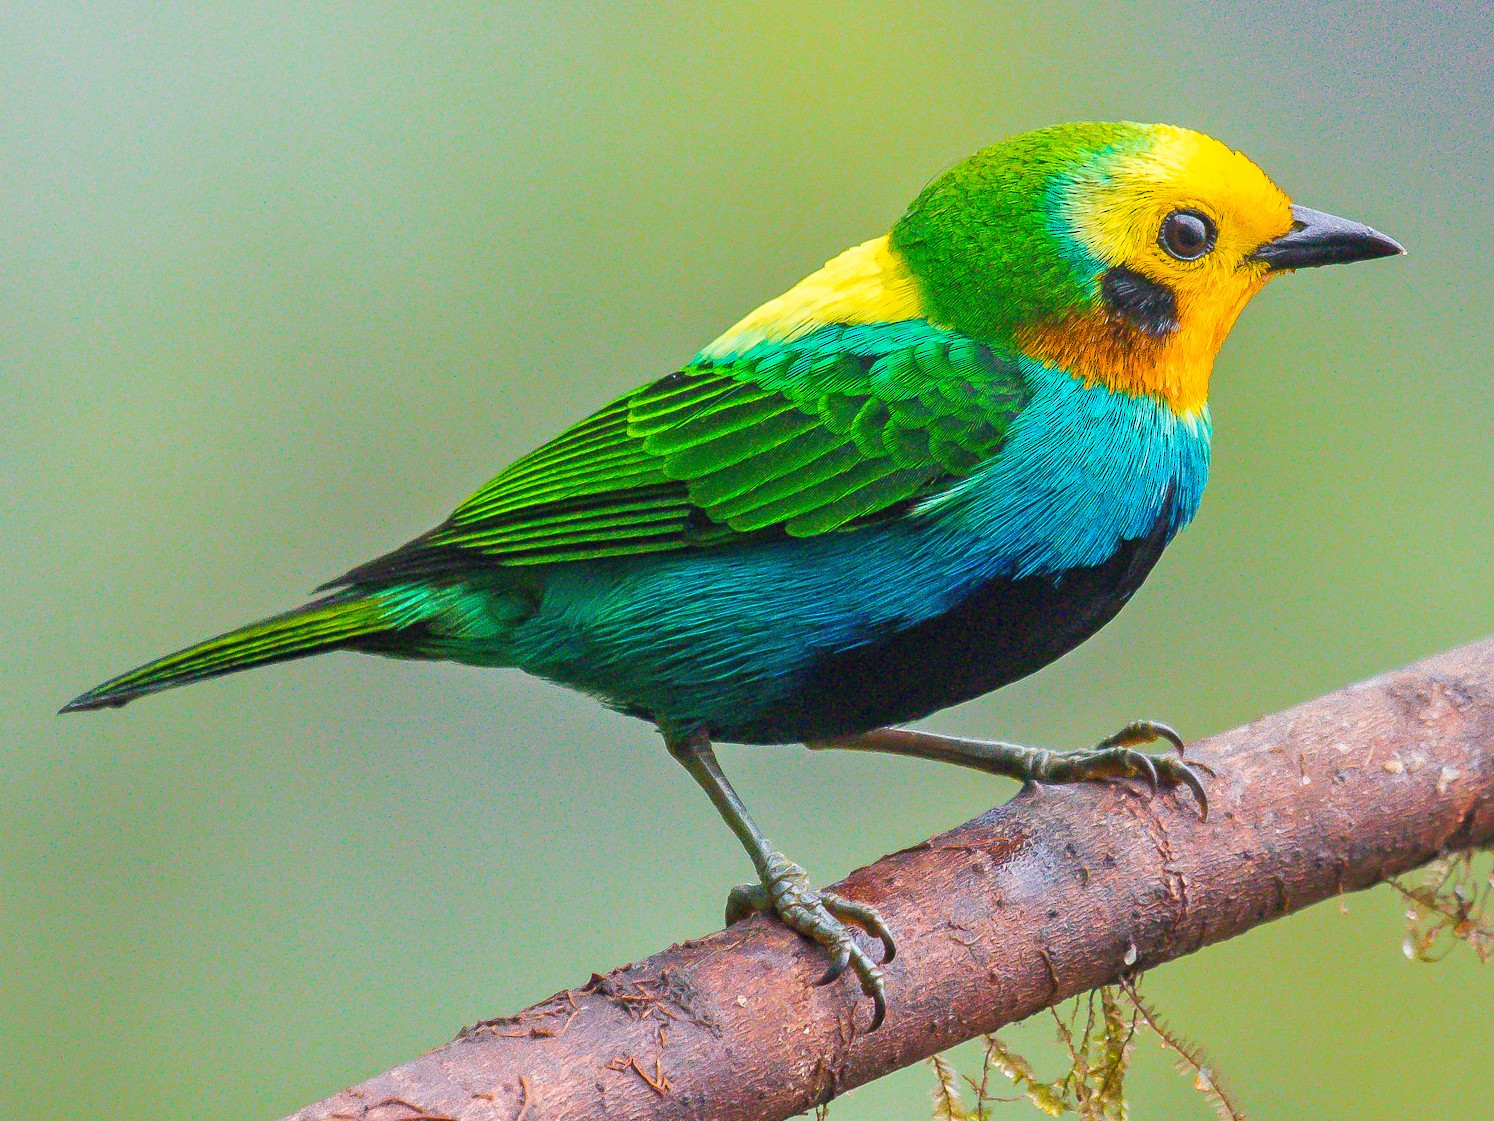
784	888
1114	757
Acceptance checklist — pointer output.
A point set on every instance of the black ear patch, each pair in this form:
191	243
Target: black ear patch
1148	306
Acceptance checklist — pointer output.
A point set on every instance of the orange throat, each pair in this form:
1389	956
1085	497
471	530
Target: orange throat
1100	348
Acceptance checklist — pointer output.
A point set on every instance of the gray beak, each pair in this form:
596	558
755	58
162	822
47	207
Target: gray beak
1323	239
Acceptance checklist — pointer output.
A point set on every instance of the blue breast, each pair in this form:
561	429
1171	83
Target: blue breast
700	637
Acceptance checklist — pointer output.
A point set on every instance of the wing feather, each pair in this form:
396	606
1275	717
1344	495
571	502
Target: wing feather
829	431
833	464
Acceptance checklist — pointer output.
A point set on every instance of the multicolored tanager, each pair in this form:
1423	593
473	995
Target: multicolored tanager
927	470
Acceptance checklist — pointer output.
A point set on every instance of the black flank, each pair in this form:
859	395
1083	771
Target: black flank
1003	631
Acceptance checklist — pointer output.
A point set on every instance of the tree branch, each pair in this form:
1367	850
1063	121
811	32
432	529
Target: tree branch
1058	891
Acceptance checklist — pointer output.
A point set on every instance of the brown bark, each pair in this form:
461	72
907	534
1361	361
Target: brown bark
1027	904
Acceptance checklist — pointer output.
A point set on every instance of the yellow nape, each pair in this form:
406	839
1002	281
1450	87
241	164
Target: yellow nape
1116	213
868	283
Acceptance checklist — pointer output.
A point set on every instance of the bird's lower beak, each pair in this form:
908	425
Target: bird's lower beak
1322	239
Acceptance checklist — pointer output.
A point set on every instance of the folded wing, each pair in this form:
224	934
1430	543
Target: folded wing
834	430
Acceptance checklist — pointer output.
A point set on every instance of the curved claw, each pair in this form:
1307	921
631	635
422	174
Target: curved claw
1185	775
1148	769
872	984
879	1008
864	916
883	935
1165	732
838	965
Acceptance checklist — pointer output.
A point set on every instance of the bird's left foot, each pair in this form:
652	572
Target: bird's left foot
822	917
1116	757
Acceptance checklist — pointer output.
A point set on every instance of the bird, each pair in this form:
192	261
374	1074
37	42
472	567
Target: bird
930	468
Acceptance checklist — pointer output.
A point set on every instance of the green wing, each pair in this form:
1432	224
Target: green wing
844	426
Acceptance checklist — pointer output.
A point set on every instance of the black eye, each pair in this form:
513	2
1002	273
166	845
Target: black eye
1187	234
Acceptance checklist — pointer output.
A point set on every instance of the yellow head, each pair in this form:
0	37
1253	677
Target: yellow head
1176	226
1121	252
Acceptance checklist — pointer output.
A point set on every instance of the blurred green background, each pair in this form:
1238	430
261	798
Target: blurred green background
282	283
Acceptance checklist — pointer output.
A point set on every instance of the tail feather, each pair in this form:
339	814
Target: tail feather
325	624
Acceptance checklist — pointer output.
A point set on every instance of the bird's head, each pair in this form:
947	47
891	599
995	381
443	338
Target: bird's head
1121	252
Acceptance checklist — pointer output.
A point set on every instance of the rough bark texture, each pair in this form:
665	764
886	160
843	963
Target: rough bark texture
1027	904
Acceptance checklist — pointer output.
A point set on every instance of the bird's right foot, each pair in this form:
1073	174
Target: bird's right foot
784	889
822	917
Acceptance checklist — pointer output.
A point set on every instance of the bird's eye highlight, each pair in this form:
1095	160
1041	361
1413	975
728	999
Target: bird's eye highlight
1187	234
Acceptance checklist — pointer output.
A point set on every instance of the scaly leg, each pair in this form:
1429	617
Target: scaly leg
784	888
1114	757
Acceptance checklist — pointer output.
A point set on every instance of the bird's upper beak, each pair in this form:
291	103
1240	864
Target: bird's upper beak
1322	239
